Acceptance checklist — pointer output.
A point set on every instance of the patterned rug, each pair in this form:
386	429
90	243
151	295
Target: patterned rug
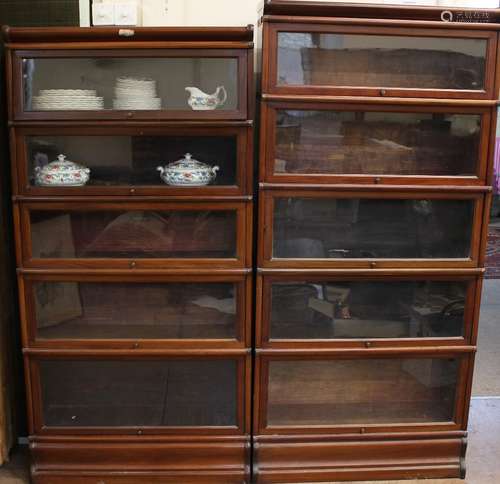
493	253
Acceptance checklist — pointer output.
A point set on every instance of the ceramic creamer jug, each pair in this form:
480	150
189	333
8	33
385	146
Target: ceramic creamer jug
200	101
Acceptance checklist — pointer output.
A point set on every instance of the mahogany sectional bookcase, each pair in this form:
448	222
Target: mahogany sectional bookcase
376	149
135	294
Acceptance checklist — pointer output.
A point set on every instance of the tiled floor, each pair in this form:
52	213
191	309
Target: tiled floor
16	471
483	463
483	455
486	380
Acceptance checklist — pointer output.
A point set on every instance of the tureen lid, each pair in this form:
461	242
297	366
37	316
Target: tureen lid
188	163
62	164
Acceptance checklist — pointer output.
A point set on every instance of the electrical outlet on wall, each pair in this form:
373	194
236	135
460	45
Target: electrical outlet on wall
126	13
103	13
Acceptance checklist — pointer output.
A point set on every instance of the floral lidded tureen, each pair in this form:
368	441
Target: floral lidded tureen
188	172
62	173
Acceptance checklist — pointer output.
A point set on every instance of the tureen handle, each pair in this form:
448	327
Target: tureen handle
188	156
221	101
61	158
215	169
160	169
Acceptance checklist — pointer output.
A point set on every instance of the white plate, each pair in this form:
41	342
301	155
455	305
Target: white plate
137	107
69	105
135	94
135	80
150	100
75	103
68	108
68	92
155	101
68	99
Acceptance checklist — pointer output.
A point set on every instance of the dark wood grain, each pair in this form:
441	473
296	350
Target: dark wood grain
377	88
307	146
322	441
195	451
112	34
163	51
280	310
204	459
267	211
239	334
373	11
147	142
282	461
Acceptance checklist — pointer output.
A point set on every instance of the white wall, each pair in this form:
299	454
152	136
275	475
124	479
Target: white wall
200	12
243	12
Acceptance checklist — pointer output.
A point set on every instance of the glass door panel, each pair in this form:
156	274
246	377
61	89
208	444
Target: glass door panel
139	393
136	310
334	142
112	231
371	228
370	391
381	61
331	309
115	83
133	234
133	160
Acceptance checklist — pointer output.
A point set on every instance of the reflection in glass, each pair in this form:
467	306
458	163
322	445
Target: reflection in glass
322	228
133	160
129	393
381	143
133	234
372	391
127	83
93	310
322	59
367	309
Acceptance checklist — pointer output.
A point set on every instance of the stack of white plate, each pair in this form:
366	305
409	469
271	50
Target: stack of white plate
67	99
133	93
